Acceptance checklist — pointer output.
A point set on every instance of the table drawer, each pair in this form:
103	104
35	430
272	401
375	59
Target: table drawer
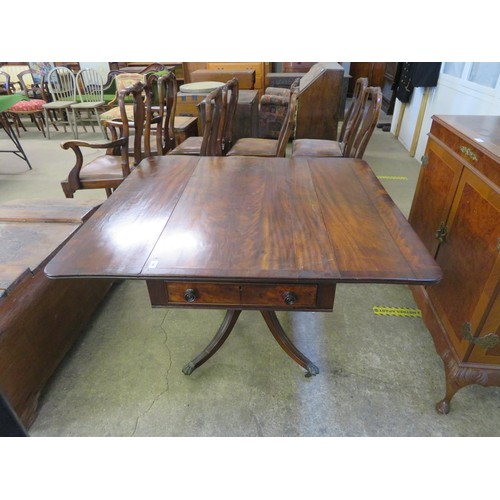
276	296
279	295
203	293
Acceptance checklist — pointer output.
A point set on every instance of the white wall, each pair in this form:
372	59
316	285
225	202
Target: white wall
101	67
451	96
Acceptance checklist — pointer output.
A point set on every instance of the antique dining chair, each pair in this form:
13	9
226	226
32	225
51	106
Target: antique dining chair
358	135
89	85
342	146
108	170
263	147
122	81
5	87
352	114
62	88
210	143
153	137
32	84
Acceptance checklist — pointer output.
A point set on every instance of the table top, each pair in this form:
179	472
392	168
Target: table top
199	87
483	130
6	101
245	218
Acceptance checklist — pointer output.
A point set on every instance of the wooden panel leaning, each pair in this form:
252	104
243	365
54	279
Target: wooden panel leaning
40	318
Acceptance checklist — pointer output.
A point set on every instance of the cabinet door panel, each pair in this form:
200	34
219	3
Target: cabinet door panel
489	355
470	259
436	187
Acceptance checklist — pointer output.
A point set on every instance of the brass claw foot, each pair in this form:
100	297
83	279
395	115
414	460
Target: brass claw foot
312	370
287	345
189	368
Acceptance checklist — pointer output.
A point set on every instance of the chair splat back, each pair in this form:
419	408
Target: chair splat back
367	120
230	102
211	144
290	119
138	94
353	111
167	98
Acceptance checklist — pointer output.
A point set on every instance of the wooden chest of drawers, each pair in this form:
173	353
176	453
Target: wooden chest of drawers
261	69
456	213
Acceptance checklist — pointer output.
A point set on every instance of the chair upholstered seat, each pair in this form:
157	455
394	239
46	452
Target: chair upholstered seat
106	167
181	123
253	146
28	107
191	146
363	116
114	113
316	147
265	147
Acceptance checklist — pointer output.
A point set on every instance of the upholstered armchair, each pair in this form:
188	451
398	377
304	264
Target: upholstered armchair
319	101
272	111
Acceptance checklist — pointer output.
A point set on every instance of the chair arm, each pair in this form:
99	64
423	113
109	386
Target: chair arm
74	173
94	145
277	91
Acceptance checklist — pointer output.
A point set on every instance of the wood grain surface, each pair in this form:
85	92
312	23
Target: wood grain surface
252	219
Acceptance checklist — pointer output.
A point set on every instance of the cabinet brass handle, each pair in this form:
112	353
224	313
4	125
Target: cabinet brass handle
441	233
468	152
486	341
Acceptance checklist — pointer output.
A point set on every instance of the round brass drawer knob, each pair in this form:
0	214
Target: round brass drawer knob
190	295
289	298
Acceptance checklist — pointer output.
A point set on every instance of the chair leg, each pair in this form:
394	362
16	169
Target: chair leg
46	118
15	122
75	122
19	122
64	119
96	114
72	123
40	122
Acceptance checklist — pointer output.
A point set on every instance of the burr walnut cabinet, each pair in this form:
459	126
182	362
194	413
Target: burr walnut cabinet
455	212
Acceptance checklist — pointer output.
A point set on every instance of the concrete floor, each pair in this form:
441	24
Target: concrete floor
379	375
